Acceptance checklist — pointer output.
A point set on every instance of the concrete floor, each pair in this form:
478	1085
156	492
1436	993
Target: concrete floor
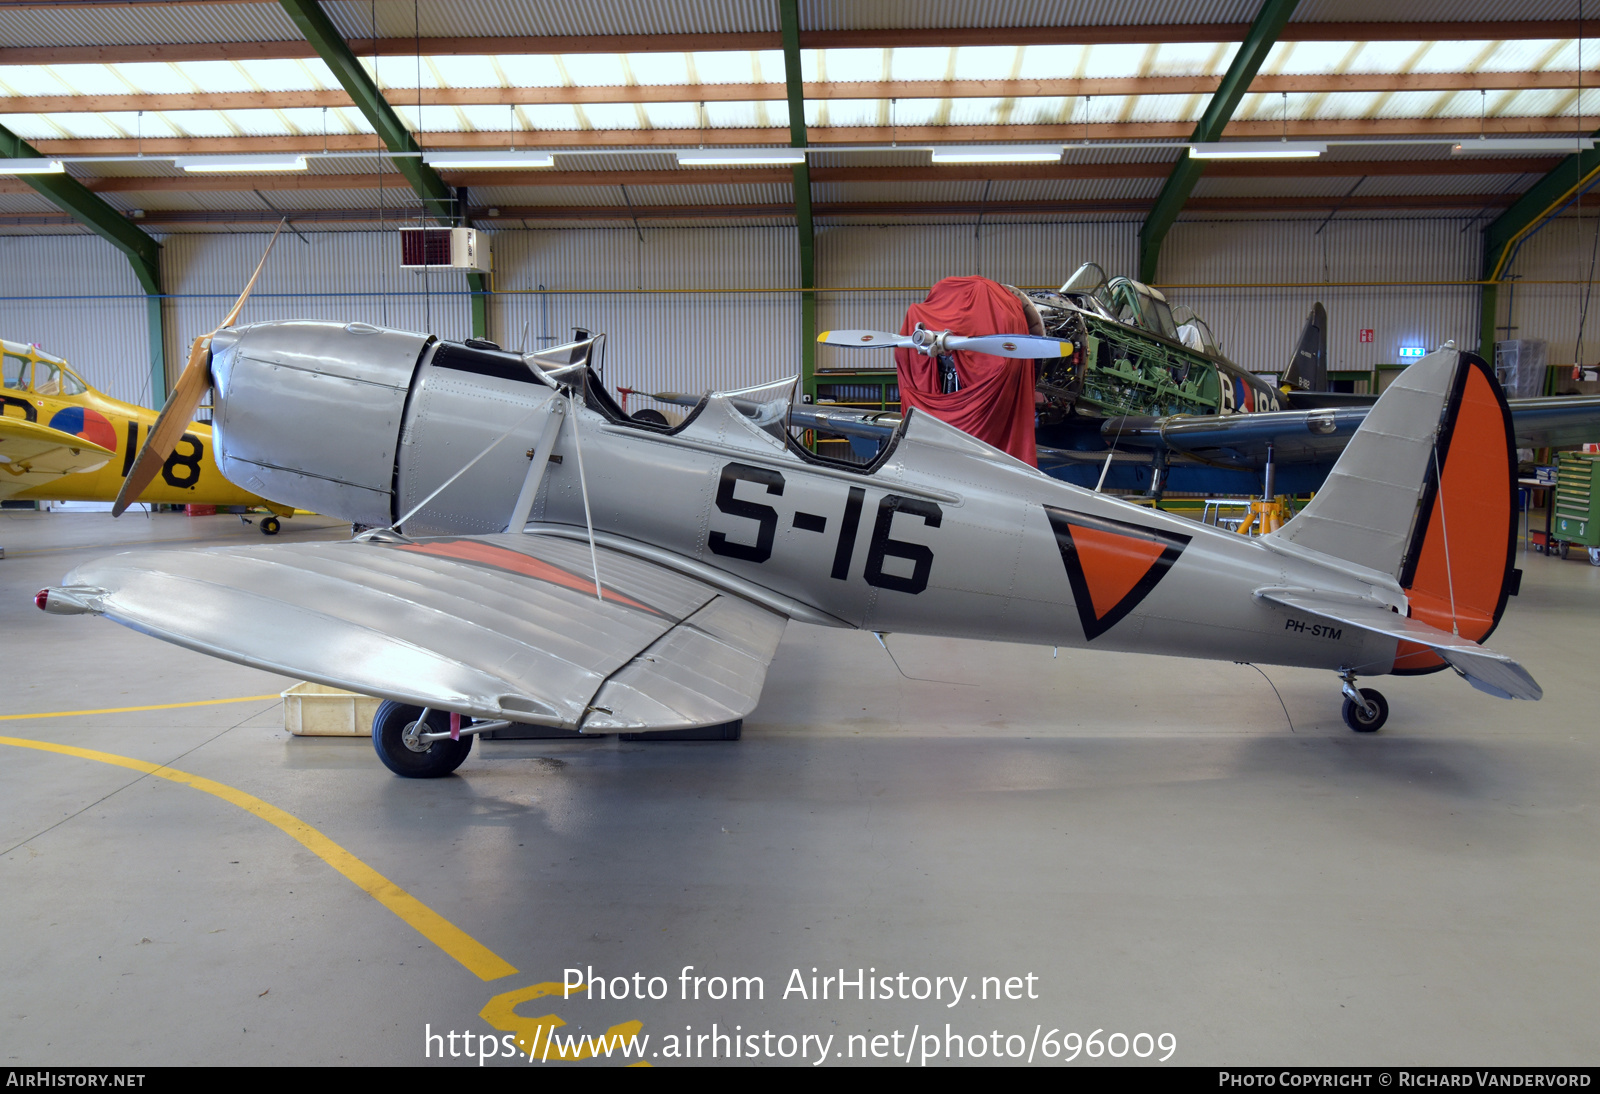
1145	836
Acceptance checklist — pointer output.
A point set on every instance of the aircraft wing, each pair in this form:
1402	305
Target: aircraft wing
1319	435
1556	421
32	455
498	626
1240	440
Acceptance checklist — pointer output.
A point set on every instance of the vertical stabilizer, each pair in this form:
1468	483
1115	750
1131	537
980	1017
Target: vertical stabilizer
1425	492
1308	368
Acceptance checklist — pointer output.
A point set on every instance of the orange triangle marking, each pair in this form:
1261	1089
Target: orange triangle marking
1113	564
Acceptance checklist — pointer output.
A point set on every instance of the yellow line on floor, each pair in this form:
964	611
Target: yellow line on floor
127	710
478	958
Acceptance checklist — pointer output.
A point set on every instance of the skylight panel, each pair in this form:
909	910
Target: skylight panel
549	116
464	71
919	62
1193	59
679	115
485	118
1383	57
308	120
126	123
745	115
1545	103
595	69
153	77
227	123
273	75
853	65
530	70
1542	54
847	112
660	69
724	67
1343	104
1325	58
1106	61
611	115
38	80
1054	62
36	127
1162	108
985	62
919	111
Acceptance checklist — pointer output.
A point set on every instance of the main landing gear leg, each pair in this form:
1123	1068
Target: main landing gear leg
1365	710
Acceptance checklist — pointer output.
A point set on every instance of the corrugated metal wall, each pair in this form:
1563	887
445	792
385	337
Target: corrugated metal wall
80	302
1258	327
347	276
1564	251
678	340
77	296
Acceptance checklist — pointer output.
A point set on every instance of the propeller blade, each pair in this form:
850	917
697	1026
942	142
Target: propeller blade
1011	345
859	338
187	395
238	305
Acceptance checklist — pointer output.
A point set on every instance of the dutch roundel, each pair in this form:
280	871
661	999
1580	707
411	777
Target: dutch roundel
91	425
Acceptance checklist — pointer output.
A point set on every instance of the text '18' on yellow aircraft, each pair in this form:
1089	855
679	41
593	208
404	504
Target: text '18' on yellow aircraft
61	440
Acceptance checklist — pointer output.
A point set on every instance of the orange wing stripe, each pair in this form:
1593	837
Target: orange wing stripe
516	562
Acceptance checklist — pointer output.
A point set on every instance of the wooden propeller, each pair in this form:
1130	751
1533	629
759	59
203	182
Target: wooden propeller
187	394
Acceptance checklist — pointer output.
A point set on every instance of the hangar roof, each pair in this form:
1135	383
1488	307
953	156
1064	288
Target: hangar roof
612	88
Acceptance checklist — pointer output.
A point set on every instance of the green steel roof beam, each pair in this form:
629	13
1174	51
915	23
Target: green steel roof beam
436	195
1180	184
72	197
144	253
789	18
1541	200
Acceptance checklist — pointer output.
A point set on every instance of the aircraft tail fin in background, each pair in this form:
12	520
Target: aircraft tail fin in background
1425	492
1308	368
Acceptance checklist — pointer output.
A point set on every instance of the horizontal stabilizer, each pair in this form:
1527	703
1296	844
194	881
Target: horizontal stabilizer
1483	668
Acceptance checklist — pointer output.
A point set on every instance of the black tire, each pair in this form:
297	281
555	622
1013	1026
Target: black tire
270	526
441	757
1356	720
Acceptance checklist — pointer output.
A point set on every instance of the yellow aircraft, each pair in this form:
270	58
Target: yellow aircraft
61	440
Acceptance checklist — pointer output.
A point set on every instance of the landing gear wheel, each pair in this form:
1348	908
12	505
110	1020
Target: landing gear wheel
1594	556
270	526
1354	716
415	759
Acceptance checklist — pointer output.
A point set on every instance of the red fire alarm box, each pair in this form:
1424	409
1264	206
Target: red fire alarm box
1366	334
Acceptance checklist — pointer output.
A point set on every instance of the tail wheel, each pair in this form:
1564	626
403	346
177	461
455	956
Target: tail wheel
1358	719
270	526
394	729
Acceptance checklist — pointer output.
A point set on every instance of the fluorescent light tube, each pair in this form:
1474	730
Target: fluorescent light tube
998	153
488	158
740	157
31	165
241	164
1257	150
1523	144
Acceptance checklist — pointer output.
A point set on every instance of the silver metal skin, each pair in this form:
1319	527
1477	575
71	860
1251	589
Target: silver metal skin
314	429
710	536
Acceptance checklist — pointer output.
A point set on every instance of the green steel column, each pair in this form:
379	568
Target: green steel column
789	16
436	195
1180	184
143	252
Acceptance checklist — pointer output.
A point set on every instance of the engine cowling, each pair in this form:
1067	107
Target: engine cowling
309	413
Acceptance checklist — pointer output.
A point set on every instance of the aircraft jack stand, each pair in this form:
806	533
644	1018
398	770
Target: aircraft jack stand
1265	516
1365	710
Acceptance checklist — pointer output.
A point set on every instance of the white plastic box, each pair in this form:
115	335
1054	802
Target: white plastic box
316	710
